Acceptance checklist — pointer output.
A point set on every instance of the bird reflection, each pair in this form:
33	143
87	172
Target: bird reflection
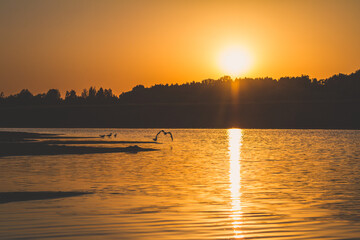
235	142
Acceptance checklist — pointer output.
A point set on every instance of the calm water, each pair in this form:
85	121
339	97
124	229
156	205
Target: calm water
206	184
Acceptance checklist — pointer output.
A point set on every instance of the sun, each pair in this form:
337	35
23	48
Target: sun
235	61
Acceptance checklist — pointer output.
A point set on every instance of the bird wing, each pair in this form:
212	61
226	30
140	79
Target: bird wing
162	131
159	133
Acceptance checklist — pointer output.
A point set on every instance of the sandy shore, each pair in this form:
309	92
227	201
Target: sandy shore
7	197
95	142
30	144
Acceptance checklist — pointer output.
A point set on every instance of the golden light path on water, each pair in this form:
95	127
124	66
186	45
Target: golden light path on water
235	142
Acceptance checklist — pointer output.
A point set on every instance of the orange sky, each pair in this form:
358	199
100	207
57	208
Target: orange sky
75	44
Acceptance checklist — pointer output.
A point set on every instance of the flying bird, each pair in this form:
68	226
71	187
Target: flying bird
165	133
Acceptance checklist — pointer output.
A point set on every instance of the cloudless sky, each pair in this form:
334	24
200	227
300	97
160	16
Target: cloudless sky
75	44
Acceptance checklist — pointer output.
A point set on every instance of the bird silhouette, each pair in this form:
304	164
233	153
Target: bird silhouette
102	136
165	133
115	134
109	135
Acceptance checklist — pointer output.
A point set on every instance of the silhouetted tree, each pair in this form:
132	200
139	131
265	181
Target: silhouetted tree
100	96
340	87
25	97
226	90
91	98
84	94
70	97
2	97
52	96
108	93
109	97
39	98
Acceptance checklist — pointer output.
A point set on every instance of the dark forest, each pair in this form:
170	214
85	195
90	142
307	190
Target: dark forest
339	87
288	102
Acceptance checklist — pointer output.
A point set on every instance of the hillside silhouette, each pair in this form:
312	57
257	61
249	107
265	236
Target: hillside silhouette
288	102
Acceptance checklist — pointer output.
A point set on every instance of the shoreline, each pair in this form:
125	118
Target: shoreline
34	144
296	115
9	197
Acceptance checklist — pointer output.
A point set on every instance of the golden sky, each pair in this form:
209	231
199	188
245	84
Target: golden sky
75	44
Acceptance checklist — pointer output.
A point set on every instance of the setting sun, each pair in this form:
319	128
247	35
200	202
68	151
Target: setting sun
235	61
138	119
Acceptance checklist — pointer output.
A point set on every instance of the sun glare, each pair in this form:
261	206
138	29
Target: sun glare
235	143
235	61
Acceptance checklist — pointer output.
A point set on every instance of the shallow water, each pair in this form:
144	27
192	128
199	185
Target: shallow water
206	184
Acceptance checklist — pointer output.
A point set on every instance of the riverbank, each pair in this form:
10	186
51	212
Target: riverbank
273	115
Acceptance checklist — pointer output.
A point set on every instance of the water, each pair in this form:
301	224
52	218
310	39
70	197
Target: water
206	184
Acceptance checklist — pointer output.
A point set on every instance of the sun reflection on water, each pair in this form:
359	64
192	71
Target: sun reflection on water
235	142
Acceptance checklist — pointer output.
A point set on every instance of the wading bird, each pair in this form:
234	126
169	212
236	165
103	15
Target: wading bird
162	131
102	136
115	134
109	135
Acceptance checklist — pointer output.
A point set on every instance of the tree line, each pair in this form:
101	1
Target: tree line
340	87
53	96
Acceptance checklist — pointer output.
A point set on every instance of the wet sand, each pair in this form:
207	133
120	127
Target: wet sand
30	144
23	136
7	197
95	142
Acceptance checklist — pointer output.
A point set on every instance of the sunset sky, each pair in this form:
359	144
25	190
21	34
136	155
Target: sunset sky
117	44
